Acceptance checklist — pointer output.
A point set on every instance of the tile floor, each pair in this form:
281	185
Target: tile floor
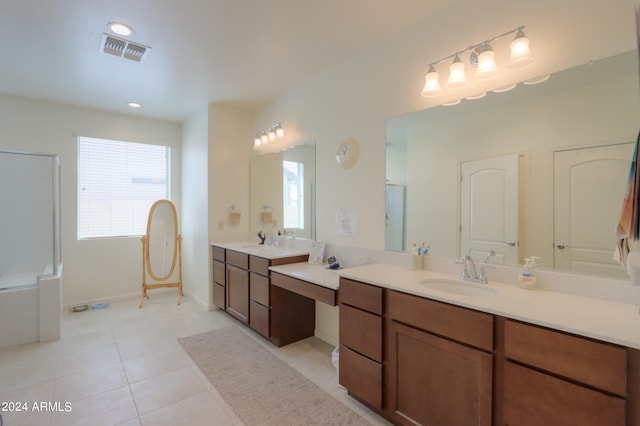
124	366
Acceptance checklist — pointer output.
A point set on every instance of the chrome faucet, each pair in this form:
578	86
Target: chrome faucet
469	272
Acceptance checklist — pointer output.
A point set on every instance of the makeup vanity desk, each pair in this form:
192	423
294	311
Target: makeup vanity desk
273	290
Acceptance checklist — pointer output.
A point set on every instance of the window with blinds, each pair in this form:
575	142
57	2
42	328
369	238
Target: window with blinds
293	180
117	184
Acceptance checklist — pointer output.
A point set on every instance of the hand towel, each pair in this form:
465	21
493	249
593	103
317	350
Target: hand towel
633	267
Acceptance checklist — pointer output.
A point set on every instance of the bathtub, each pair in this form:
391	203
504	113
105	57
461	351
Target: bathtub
30	307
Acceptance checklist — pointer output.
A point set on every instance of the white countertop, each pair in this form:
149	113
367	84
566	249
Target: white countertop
254	249
315	274
612	322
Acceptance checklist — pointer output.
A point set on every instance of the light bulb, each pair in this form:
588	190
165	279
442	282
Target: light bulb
487	67
432	84
520	52
457	77
271	134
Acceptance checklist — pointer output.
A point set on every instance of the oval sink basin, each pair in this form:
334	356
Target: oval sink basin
254	246
459	287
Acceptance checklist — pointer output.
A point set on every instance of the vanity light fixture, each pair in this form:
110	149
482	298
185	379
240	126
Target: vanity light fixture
270	139
482	57
134	105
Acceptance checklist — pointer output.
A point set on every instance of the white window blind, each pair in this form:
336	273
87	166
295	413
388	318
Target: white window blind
117	184
293	181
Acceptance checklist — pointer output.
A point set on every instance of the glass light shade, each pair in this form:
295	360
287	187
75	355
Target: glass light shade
271	134
520	52
457	77
537	80
279	132
432	84
257	141
487	67
264	138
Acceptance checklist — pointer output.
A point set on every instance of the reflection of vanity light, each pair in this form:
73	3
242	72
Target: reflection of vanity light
537	80
271	140
478	96
505	88
456	102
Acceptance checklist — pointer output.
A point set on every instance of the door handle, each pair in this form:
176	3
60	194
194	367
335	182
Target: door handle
512	243
562	246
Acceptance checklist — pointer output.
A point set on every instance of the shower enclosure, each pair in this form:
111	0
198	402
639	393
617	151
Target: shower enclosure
30	257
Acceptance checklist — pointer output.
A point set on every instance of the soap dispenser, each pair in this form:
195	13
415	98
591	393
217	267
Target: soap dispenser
527	276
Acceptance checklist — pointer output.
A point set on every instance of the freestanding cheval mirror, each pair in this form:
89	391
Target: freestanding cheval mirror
161	250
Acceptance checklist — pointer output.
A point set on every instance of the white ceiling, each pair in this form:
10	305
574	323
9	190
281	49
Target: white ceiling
243	52
238	51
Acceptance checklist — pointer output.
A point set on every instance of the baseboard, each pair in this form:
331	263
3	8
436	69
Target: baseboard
326	337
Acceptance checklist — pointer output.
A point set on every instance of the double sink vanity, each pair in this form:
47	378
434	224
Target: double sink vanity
424	347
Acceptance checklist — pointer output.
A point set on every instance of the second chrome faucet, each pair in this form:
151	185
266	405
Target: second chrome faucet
469	272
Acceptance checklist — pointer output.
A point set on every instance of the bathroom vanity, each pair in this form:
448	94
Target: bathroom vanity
273	290
503	357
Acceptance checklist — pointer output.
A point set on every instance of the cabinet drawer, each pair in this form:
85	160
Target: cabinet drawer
218	296
304	288
235	258
364	296
593	363
361	331
219	272
460	324
361	376
259	318
535	398
218	253
259	265
259	289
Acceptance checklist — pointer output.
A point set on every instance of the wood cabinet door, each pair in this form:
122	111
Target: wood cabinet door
433	381
532	398
238	293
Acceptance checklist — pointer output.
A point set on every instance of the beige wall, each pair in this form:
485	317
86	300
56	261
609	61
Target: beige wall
354	98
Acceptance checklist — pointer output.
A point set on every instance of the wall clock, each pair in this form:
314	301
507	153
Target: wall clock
347	153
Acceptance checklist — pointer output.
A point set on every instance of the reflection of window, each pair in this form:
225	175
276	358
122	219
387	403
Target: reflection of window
293	194
117	184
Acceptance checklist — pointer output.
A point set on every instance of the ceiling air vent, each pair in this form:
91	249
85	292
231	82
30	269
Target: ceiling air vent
123	48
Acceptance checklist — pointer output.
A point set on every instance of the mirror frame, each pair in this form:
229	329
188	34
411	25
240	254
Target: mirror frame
176	236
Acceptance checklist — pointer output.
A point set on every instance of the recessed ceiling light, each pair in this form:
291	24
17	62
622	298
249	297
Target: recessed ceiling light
120	28
134	105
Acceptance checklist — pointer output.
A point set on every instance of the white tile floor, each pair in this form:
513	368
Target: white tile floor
124	366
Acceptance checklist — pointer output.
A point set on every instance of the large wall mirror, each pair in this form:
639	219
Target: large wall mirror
537	171
283	187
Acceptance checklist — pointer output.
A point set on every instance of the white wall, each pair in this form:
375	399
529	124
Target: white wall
195	216
93	269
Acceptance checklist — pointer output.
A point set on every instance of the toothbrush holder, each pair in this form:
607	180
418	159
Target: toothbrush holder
416	262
